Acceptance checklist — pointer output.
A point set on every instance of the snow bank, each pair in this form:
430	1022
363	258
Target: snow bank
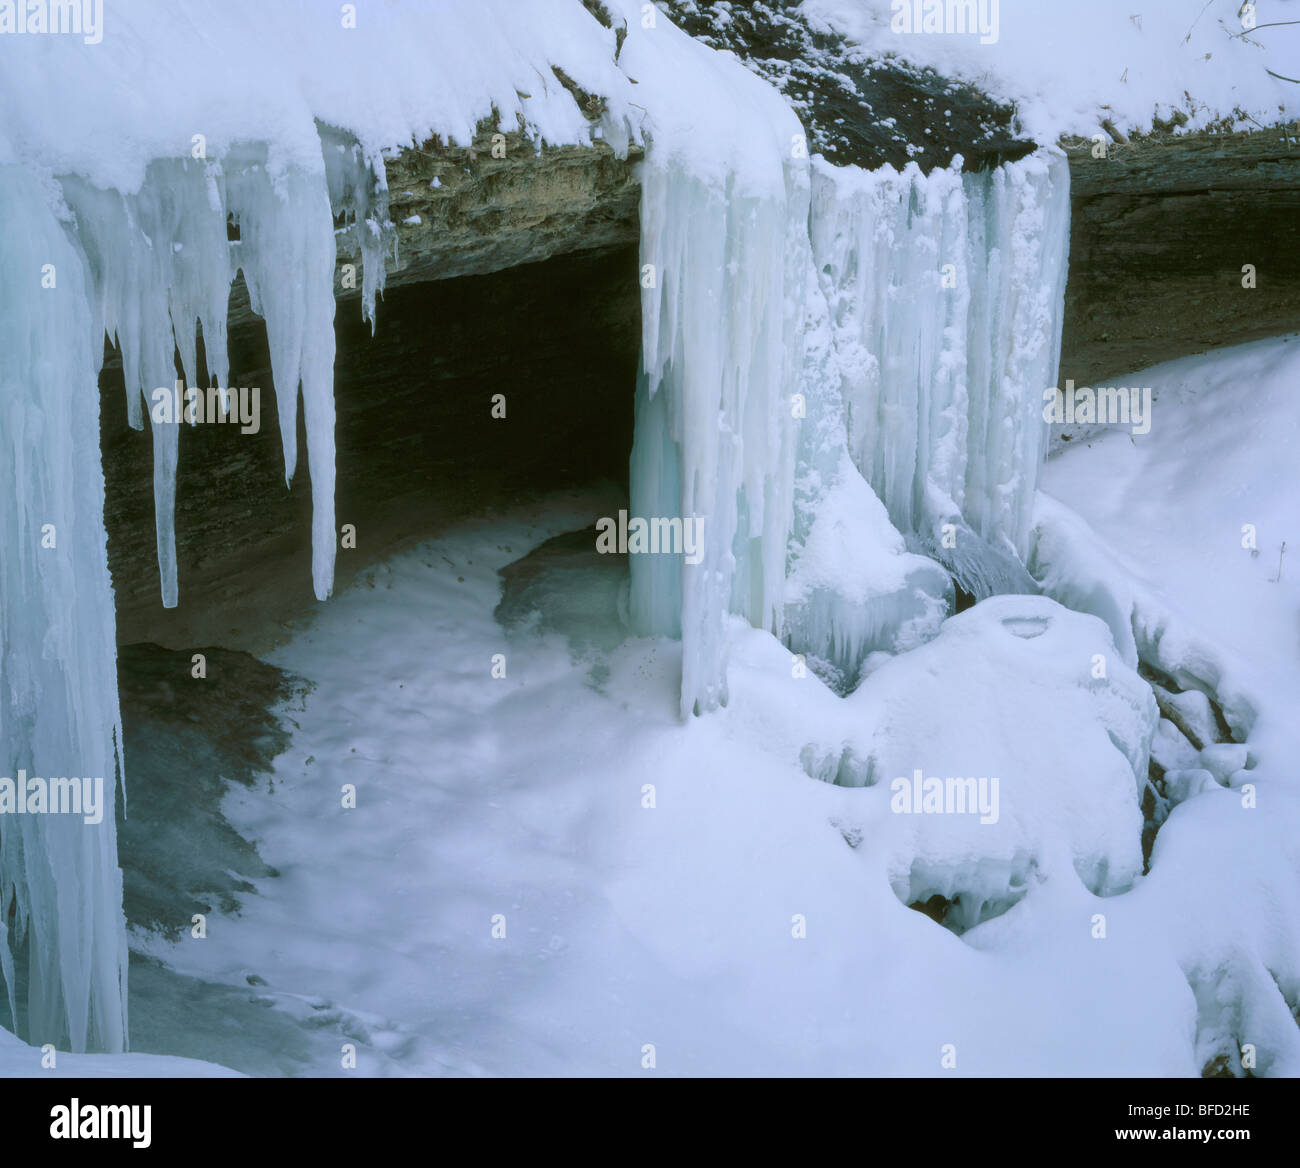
1069	66
20	1061
994	696
1176	539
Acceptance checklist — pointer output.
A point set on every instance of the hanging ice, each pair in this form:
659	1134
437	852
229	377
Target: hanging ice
151	266
946	293
161	261
58	704
918	352
714	432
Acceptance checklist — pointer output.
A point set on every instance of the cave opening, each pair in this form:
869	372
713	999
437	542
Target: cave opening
473	395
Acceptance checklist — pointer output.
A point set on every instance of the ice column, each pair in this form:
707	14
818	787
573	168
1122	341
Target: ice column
58	687
723	274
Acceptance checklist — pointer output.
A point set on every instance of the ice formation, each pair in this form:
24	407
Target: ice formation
807	327
811	387
946	294
127	184
714	432
908	322
58	702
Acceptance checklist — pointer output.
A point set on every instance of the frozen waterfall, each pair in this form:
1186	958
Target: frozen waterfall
862	338
946	294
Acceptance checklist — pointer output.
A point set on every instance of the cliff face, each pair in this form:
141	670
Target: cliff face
514	269
1161	230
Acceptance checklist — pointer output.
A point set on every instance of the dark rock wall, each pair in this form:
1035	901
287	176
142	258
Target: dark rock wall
1160	232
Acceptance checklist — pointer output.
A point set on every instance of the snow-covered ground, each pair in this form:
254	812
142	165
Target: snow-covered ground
753	918
1198	510
18	1060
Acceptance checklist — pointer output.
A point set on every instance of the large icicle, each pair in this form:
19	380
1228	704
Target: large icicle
724	253
714	427
58	702
286	252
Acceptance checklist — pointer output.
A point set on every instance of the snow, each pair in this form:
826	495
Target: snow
408	71
18	1060
705	887
1068	66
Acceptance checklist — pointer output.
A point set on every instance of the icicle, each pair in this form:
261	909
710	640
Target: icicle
160	262
714	433
129	247
58	704
286	252
358	190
